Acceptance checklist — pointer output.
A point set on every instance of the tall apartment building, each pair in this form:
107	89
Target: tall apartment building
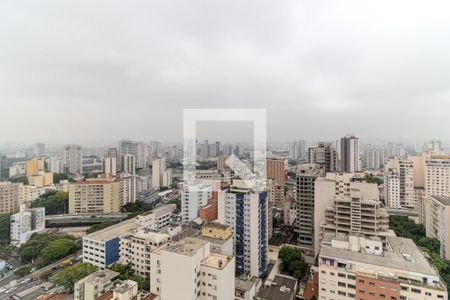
135	249
275	192
129	163
437	176
10	196
100	195
399	184
355	214
26	222
373	158
437	221
39	149
73	159
110	166
359	268
324	155
137	149
192	200
434	147
328	188
161	177
36	174
275	171
246	212
350	156
35	165
298	150
304	193
189	270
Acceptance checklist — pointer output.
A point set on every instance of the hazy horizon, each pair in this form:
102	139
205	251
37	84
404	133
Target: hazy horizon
96	72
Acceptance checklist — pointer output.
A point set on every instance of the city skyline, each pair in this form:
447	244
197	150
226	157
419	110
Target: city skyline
120	70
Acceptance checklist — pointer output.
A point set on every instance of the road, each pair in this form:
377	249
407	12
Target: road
33	278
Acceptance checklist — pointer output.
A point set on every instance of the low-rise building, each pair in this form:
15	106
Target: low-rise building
358	268
135	249
25	223
282	288
94	285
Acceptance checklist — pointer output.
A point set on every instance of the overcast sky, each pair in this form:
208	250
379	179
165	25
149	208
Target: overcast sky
96	71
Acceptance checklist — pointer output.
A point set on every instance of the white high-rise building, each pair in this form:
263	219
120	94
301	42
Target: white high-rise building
188	270
373	158
39	149
298	149
193	200
137	149
110	166
73	159
350	156
399	183
129	163
246	212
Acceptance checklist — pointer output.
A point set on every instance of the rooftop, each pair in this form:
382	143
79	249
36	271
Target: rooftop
113	231
282	288
187	246
443	200
216	225
405	256
124	286
217	261
245	284
102	276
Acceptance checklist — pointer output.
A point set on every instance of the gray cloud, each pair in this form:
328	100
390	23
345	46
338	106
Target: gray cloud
96	71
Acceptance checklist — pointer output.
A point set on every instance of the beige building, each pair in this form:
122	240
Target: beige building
94	285
358	268
437	221
35	165
99	195
337	186
188	270
437	176
135	249
399	184
11	196
355	214
219	237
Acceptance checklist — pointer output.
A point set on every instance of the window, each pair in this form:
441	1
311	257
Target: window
417	291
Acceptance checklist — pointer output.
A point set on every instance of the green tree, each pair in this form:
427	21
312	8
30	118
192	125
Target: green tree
127	273
4	229
370	178
98	227
57	177
59	248
292	262
22	179
22	271
137	206
34	247
68	276
55	202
